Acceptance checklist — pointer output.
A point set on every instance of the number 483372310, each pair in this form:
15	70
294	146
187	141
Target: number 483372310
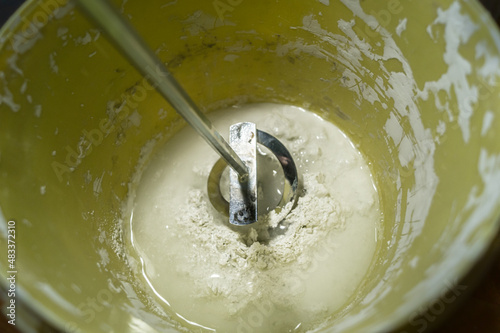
11	246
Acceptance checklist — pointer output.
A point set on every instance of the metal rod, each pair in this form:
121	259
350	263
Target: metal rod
152	68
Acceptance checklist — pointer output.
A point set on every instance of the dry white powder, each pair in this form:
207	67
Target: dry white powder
251	251
256	278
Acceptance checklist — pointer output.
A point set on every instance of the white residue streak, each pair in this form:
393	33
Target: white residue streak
26	38
22	42
487	122
401	26
490	69
489	169
12	61
458	30
75	288
350	55
38	110
169	4
482	204
416	147
98	185
90	36
62	11
62	32
441	128
135	119
393	126
103	253
8	98
413	263
53	65
162	113
27	223
399	87
24	86
83	40
199	22
406	151
231	57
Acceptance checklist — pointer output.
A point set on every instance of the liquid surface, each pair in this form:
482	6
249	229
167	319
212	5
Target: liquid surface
287	278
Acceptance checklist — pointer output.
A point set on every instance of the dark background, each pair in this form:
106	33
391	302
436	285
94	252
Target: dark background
494	7
7	7
481	311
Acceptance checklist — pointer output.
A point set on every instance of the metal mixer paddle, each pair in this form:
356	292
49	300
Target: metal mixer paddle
240	154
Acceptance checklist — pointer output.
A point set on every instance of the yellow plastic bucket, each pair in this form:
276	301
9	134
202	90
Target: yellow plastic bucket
415	84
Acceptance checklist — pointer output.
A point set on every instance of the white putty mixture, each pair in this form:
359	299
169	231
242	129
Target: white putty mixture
256	279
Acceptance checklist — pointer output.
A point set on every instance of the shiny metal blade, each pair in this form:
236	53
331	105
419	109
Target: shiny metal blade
243	192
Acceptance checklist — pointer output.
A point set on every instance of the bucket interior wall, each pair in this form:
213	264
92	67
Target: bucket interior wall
413	84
